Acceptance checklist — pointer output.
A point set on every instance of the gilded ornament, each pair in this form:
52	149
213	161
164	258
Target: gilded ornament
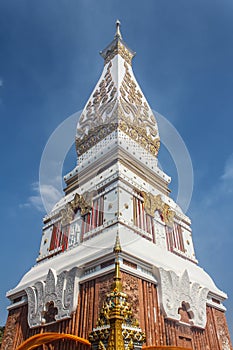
67	214
83	202
168	215
107	112
116	313
118	49
133	134
123	126
153	203
101	346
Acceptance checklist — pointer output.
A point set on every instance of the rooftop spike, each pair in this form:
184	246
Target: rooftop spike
117	247
118	33
117	47
117	285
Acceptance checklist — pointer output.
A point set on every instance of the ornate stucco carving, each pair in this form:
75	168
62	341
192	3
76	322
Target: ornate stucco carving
96	120
160	235
35	303
153	203
61	291
222	330
82	202
67	214
175	290
116	303
117	103
117	48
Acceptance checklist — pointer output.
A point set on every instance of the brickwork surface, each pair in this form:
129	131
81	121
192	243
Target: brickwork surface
144	301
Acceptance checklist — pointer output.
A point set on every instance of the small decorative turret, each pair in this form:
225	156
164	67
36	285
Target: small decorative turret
117	285
116	328
115	340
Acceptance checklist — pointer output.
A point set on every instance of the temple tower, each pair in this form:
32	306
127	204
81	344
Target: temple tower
117	192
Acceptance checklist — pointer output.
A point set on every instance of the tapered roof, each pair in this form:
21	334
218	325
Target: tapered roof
117	102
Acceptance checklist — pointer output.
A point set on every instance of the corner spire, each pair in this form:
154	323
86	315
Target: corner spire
116	327
117	285
117	247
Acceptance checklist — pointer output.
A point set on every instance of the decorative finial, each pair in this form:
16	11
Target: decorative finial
117	247
116	323
118	33
117	278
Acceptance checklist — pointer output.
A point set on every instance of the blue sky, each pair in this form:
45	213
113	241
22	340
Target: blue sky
49	64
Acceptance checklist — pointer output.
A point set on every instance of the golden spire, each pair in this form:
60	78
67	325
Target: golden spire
117	247
116	319
117	278
116	312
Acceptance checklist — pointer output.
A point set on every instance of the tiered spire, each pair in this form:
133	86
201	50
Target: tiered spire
117	285
117	103
116	328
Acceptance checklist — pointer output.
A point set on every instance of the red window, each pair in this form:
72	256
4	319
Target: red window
95	217
56	236
59	238
175	238
140	218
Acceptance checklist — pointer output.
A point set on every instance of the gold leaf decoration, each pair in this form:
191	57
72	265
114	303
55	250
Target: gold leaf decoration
118	49
107	112
153	203
82	202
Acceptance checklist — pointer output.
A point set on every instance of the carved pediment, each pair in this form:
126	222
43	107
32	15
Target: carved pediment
177	291
54	299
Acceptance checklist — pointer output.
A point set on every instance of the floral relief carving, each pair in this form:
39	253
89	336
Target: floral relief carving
153	203
95	119
11	326
130	286
178	290
53	300
109	109
82	202
118	49
222	330
128	328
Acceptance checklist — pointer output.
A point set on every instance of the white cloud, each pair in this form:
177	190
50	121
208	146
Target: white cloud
222	190
226	184
49	192
212	228
228	169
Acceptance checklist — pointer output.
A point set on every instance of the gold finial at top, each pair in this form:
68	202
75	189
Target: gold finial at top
118	33
117	247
